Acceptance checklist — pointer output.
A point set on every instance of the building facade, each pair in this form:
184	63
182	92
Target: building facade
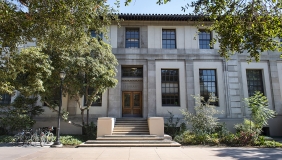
163	60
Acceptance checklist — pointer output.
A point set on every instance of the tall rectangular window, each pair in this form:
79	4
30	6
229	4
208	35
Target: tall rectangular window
204	39
208	84
5	99
169	38
132	38
98	102
170	87
254	81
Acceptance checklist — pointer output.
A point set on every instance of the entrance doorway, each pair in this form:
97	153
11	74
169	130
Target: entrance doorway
131	104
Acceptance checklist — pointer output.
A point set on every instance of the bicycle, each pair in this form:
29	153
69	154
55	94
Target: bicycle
25	136
44	135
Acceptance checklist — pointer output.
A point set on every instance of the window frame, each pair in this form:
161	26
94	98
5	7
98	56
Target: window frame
122	72
200	32
165	39
94	35
97	103
176	96
260	80
6	99
206	96
129	44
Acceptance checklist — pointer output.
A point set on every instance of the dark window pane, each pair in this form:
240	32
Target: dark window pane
132	38
168	39
98	102
208	84
254	81
204	40
170	87
94	34
5	99
132	72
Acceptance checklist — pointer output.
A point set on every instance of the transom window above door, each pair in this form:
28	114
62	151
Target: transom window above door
134	72
132	38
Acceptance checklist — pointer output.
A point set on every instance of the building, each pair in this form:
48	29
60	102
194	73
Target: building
163	60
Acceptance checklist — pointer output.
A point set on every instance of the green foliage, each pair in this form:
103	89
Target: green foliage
61	31
72	139
203	120
91	131
260	113
6	139
246	126
20	114
241	26
171	126
253	25
190	138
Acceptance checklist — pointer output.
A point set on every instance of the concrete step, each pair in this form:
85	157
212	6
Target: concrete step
173	144
131	128
129	138
130	133
127	141
130	124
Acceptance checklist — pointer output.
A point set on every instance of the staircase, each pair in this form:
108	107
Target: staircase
131	132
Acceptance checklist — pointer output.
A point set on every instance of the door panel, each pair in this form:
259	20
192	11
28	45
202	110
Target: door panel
132	104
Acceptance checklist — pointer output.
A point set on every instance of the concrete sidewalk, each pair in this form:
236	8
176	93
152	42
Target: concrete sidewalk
136	153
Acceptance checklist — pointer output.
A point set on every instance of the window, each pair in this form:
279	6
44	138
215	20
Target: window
98	102
208	84
132	38
54	98
94	34
204	39
136	72
254	81
169	39
5	99
170	87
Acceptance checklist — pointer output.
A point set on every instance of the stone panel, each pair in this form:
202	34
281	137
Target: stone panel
232	68
235	104
233	80
234	86
233	74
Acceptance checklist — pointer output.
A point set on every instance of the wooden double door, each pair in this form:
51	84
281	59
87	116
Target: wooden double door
132	104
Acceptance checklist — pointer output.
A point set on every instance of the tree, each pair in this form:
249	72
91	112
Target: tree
61	30
242	25
20	115
260	113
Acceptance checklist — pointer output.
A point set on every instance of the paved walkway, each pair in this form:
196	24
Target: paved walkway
136	153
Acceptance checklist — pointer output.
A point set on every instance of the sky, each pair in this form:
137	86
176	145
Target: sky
150	7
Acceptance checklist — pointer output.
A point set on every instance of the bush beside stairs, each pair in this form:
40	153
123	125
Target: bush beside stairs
131	132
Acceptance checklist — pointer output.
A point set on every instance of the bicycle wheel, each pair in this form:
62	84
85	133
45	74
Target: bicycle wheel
34	139
42	140
50	138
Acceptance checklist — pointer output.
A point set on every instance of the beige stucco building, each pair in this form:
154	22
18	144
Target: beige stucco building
163	60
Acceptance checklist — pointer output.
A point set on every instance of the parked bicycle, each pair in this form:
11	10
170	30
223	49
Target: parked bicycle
24	137
49	136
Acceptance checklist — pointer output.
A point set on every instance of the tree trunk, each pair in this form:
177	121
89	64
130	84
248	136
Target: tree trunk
87	118
83	123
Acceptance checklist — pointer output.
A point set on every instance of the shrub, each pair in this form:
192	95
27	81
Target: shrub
260	113
203	120
20	114
72	139
171	126
91	131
